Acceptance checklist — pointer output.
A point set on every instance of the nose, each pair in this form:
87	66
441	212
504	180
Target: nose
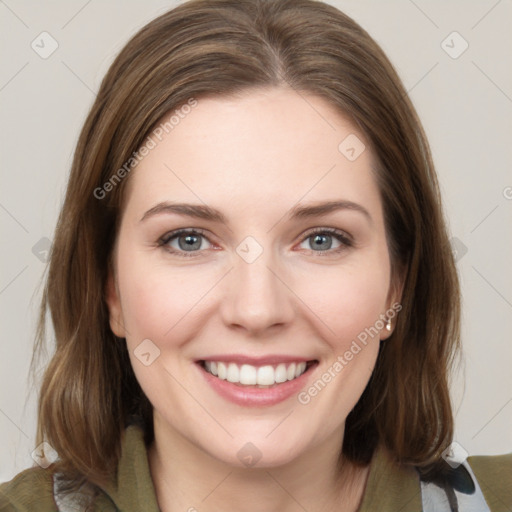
257	297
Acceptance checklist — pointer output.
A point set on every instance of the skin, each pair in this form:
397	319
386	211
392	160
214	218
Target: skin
253	158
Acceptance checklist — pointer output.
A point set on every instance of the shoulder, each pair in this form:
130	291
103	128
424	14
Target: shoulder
494	475
41	490
29	490
37	489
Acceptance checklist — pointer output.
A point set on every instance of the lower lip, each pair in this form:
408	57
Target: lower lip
249	396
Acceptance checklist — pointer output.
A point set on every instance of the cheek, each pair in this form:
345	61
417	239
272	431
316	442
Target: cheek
349	303
347	299
162	304
157	298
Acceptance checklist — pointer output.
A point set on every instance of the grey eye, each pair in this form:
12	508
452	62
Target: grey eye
189	242
185	241
321	242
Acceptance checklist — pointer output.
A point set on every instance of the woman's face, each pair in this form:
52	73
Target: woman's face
270	282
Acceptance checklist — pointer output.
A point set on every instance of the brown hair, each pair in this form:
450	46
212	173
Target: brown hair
220	47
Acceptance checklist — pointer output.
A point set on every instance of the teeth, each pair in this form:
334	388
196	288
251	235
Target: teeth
249	375
291	371
233	374
281	374
266	376
222	371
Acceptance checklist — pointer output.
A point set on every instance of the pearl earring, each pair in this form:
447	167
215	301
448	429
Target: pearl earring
388	325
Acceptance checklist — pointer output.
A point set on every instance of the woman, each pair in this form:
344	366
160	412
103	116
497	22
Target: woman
253	295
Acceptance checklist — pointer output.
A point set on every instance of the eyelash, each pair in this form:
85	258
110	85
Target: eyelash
341	236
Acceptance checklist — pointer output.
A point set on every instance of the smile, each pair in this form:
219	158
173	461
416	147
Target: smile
259	376
256	381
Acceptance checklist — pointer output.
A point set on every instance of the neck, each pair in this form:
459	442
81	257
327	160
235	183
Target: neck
188	478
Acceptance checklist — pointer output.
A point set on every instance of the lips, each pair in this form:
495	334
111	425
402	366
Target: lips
262	381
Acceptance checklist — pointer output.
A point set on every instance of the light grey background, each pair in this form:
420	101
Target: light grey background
465	104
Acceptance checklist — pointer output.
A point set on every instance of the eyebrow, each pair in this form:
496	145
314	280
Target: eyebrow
205	212
190	210
319	209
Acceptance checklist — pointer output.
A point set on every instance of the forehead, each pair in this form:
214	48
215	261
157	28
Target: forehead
256	150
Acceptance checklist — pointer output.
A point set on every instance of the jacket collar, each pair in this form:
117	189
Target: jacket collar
133	488
391	487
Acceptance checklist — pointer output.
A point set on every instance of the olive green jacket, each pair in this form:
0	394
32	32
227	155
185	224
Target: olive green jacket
389	488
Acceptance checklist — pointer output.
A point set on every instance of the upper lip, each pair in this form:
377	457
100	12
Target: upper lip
256	361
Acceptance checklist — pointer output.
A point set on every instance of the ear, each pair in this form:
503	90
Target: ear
393	303
114	305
